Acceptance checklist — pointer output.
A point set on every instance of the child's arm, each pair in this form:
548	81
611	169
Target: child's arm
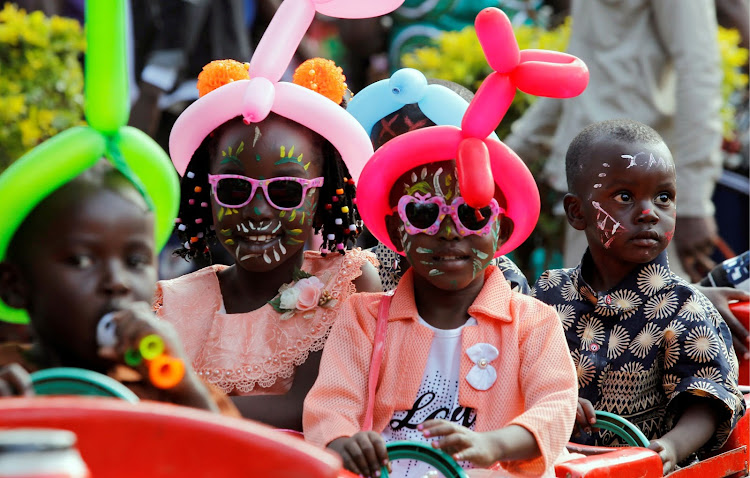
511	443
550	394
693	429
336	404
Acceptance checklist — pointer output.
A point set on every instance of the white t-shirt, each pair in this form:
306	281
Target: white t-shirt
437	398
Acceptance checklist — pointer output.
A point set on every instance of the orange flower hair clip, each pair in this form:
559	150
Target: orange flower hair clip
219	73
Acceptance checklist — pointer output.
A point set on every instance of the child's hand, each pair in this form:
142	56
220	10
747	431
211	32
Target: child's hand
363	453
585	415
666	452
15	381
137	321
462	443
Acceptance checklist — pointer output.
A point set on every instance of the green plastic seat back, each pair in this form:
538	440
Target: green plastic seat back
78	381
423	452
622	428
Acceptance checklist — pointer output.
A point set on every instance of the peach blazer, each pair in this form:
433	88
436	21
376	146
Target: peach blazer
536	381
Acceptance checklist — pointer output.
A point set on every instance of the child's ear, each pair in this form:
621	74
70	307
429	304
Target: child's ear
573	212
392	224
13	288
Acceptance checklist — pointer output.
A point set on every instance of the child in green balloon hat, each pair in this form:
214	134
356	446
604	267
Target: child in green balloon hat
79	243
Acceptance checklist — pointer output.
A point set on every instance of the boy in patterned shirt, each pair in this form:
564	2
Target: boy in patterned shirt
646	344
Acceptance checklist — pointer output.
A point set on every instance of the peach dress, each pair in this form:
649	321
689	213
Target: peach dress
254	353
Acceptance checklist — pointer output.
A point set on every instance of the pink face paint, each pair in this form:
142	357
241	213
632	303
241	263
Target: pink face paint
669	235
646	211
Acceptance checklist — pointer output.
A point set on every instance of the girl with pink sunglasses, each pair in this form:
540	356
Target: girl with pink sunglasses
264	163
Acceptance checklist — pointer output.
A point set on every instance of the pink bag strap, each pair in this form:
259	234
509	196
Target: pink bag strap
377	358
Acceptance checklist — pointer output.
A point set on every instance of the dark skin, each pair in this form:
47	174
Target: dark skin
257	274
102	260
446	283
639	194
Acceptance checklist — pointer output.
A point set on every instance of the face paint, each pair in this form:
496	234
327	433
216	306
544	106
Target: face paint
601	223
232	157
435	272
225	232
255	140
424	250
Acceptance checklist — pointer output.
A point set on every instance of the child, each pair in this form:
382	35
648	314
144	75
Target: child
102	259
261	180
446	103
466	359
646	344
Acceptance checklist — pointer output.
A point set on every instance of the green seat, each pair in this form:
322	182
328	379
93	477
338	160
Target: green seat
78	381
423	452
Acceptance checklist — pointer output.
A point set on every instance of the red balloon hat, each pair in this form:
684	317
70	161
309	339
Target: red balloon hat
484	165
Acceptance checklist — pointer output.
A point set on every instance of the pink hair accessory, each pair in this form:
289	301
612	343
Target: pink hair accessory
484	164
263	93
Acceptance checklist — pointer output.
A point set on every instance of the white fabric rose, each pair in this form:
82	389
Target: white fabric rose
482	375
288	299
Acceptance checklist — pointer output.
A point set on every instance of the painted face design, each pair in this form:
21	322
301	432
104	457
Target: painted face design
442	255
265	191
630	209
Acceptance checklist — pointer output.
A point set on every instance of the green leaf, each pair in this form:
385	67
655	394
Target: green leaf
300	274
276	303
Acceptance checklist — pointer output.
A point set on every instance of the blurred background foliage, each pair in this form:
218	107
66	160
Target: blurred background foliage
41	92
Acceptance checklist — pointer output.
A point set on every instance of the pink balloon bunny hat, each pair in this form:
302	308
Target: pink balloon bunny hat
254	98
484	164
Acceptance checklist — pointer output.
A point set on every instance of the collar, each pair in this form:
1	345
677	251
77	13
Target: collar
646	279
493	301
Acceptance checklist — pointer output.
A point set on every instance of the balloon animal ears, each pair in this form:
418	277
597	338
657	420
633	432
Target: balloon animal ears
537	72
317	74
484	164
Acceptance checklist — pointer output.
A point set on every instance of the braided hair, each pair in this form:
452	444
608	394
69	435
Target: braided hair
336	216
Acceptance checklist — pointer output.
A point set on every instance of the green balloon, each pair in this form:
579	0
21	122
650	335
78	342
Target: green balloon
34	176
44	169
155	170
107	103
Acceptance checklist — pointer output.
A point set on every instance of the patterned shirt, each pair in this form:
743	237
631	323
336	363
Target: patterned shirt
643	343
391	264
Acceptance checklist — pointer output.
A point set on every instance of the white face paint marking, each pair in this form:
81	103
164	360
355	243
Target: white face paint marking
436	182
248	256
601	224
244	229
601	175
237	252
257	136
632	159
597	186
250	224
276	255
413	177
606	165
435	272
283	249
266	258
278	226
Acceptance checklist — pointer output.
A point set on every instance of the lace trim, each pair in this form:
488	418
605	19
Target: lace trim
286	359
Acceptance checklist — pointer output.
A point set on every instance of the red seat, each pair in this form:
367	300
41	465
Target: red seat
119	439
633	462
